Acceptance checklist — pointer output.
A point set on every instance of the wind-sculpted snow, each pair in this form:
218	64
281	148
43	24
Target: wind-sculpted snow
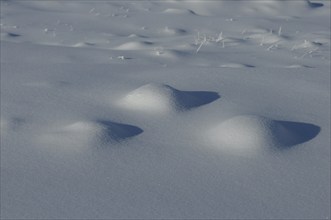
248	133
135	46
161	98
172	109
88	133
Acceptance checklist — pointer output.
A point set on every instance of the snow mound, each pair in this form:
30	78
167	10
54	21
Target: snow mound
267	38
236	65
83	44
135	45
173	31
307	44
294	66
160	98
83	133
178	11
250	133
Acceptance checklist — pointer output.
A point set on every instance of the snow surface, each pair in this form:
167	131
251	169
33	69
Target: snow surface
165	109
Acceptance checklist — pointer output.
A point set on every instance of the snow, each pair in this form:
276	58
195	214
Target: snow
161	98
253	133
165	109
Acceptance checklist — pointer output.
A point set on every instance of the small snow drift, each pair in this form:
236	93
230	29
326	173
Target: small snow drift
135	45
297	66
307	44
84	133
83	44
173	31
250	133
267	38
179	11
156	97
236	65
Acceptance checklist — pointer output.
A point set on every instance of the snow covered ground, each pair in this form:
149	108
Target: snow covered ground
165	109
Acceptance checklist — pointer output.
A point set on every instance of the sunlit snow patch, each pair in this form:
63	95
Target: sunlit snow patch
135	45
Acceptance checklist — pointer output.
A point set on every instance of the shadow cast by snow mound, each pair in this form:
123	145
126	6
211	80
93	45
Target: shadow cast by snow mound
314	4
302	132
159	98
113	131
11	34
193	99
250	133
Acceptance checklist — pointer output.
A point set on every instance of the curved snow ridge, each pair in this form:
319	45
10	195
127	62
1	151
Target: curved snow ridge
250	133
135	45
161	98
236	65
179	11
294	66
83	44
103	131
83	133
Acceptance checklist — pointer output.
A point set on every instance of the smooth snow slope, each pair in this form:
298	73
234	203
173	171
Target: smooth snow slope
165	109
